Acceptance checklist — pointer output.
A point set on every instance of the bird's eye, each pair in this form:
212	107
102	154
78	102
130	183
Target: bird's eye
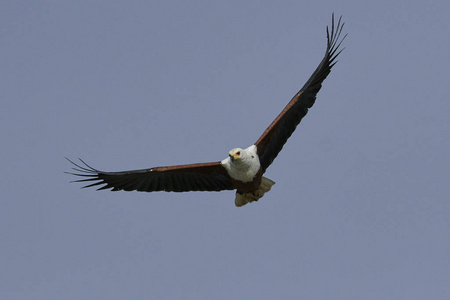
238	153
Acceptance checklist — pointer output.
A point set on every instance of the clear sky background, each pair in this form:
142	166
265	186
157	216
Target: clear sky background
361	208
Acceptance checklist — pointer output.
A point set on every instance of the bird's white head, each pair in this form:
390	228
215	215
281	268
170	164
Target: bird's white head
242	164
236	154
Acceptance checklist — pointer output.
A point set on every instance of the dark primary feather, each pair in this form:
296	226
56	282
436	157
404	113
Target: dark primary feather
275	136
182	178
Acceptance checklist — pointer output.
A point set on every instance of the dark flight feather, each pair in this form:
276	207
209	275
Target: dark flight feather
181	178
276	135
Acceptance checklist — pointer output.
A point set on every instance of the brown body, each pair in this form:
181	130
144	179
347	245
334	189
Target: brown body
248	187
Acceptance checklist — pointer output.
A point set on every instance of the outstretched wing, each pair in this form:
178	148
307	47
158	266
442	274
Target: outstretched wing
182	178
275	136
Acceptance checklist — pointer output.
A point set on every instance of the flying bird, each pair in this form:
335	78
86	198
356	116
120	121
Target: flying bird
243	169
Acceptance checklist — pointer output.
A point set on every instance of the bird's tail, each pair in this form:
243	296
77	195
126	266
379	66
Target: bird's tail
244	198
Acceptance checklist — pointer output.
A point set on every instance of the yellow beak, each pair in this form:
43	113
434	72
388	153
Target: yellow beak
234	156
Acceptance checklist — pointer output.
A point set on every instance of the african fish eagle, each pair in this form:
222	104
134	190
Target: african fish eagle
242	170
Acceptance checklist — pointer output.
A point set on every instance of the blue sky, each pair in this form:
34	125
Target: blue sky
360	209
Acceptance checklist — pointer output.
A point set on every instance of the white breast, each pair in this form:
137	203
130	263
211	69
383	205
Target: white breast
245	168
